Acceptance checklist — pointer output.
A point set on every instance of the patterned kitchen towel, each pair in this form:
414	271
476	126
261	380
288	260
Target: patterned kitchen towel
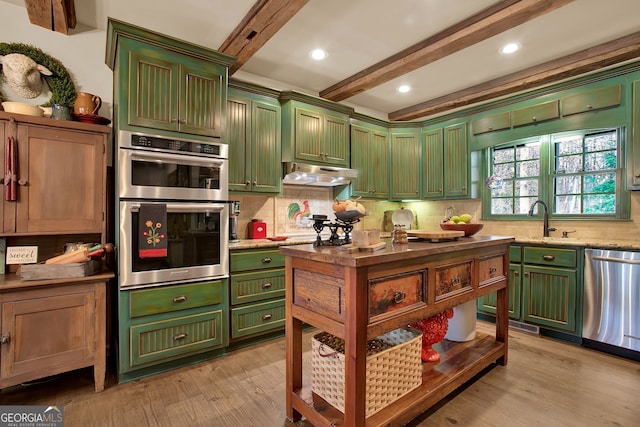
152	226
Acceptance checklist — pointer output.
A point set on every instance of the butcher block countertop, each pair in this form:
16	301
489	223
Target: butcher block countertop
391	252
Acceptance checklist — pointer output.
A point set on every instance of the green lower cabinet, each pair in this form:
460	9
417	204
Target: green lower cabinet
257	318
549	297
163	340
167	327
488	303
257	293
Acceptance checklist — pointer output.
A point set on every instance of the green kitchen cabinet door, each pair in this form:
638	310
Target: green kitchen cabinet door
433	155
370	156
488	303
633	163
321	137
336	141
173	92
549	297
405	164
456	161
253	135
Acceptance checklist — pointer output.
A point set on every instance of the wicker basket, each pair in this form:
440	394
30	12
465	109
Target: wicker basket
391	372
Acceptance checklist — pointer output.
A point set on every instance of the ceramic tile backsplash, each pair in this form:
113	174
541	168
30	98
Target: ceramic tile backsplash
279	214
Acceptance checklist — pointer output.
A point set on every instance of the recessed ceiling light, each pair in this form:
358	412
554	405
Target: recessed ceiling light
404	88
510	48
318	54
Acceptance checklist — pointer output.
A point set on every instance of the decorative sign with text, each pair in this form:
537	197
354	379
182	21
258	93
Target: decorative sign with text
22	254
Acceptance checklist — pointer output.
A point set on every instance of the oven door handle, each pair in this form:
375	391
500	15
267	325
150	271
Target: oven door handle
185	207
178	158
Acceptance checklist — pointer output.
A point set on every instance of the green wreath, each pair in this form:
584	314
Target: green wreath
63	90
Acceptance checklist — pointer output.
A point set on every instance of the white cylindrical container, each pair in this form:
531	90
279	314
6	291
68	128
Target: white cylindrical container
462	326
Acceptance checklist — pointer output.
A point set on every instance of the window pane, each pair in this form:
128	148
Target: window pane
527	187
567	205
504	171
505	191
600	204
602	160
528	152
529	168
503	155
569	164
569	184
570	145
600	183
600	142
523	204
501	206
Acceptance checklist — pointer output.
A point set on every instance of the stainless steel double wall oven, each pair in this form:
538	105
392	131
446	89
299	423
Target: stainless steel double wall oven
190	178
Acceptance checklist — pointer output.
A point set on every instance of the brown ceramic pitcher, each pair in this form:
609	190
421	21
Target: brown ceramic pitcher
87	103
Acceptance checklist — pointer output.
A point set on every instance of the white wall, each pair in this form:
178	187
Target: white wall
82	53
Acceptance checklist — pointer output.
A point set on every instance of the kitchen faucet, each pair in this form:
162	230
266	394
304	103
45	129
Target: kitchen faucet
545	223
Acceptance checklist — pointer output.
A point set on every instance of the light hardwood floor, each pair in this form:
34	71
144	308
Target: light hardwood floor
546	383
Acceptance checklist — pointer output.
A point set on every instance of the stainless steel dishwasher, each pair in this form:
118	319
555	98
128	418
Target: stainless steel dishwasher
611	316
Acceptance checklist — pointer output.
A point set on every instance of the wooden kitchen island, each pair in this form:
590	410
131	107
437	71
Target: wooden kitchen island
359	296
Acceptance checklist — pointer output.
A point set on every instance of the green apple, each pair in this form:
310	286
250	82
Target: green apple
466	218
455	219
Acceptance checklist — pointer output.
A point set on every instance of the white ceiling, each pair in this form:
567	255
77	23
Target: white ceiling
360	33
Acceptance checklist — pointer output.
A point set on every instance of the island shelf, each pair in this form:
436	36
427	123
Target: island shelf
358	296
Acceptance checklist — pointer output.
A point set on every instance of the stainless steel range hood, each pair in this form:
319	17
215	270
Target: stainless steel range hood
322	176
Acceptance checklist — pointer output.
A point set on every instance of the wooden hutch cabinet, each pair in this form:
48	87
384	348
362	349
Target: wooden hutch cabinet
54	325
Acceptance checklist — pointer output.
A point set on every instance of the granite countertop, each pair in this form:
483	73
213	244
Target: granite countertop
391	252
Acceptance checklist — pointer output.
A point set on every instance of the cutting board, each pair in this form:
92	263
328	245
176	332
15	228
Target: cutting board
370	248
436	235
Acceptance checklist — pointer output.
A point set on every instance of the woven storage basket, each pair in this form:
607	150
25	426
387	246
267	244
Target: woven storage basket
391	372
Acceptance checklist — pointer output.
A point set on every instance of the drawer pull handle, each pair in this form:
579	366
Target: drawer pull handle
548	257
455	280
266	260
5	339
492	271
180	298
267	317
178	337
266	285
399	296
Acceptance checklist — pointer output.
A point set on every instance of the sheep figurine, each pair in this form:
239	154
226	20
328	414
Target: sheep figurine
23	74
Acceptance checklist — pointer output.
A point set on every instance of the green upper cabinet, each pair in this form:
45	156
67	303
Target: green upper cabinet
446	162
166	84
370	156
314	130
405	164
253	135
633	162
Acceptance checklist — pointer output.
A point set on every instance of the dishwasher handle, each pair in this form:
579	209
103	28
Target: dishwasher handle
621	260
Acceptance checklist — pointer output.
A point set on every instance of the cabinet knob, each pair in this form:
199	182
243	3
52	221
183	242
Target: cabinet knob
637	175
398	297
247	183
5	339
533	119
266	260
589	106
492	271
22	182
266	285
255	183
516	273
179	337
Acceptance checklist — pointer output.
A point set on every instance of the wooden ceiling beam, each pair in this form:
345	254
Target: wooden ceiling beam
262	21
481	26
588	60
55	15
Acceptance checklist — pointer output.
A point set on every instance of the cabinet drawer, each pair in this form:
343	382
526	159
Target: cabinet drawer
392	293
491	269
490	123
256	259
536	113
453	279
515	253
257	318
257	286
172	298
550	256
593	100
156	342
